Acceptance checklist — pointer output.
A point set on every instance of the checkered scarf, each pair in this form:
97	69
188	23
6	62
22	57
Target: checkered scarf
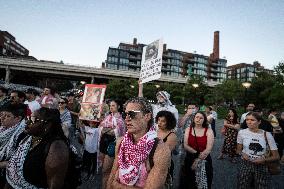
200	175
8	139
14	170
131	156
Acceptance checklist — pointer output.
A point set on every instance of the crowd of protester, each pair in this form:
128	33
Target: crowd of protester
132	144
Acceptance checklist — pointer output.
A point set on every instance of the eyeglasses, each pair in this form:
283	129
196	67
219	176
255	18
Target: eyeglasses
61	102
33	120
132	114
12	97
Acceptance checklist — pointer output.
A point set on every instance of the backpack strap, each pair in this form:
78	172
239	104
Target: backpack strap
151	155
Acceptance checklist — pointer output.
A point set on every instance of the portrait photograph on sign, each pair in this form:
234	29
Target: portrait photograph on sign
151	64
94	93
90	112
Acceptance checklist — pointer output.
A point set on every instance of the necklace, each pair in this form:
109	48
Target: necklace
35	142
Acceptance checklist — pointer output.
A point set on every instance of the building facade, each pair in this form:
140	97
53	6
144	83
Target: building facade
9	46
245	72
175	63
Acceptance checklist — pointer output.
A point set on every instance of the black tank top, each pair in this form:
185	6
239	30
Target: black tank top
34	165
166	138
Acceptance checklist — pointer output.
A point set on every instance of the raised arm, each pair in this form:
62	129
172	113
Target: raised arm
158	174
140	89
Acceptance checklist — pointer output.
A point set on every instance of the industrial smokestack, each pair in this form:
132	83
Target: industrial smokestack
164	47
216	45
135	41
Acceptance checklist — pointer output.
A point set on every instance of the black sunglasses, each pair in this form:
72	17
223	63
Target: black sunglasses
61	103
132	114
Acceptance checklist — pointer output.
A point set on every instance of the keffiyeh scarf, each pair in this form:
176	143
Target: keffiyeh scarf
131	156
14	170
200	175
115	121
8	139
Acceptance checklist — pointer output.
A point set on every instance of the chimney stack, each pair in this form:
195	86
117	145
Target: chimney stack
164	47
135	41
216	45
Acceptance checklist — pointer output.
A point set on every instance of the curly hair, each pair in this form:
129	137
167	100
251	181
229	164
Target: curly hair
145	107
170	119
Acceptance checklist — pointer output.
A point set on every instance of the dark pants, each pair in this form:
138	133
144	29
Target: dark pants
251	174
188	175
90	162
279	139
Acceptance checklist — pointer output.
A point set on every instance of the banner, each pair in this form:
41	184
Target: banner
92	103
152	59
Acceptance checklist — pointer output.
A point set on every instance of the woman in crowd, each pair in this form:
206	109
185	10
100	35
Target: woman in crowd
231	125
198	143
252	146
166	122
65	116
41	159
113	126
12	126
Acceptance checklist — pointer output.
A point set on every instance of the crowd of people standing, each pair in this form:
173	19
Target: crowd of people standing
132	144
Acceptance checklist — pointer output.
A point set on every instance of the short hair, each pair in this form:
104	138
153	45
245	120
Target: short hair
4	90
145	107
255	115
204	124
170	119
18	110
20	93
32	91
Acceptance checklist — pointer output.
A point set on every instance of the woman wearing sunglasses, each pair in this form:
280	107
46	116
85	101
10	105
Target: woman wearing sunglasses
113	126
41	159
65	116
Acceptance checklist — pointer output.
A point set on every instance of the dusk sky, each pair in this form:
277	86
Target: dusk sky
80	32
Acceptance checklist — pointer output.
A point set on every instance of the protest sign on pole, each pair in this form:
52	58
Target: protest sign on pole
152	59
91	106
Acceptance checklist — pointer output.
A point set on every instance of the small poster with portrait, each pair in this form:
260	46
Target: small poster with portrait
152	59
92	102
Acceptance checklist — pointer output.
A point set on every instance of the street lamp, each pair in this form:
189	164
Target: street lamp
132	86
83	82
246	85
157	86
195	86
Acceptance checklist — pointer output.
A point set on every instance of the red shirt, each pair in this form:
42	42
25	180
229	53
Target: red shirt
201	141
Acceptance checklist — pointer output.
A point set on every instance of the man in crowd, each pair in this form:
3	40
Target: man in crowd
185	121
74	108
47	99
135	149
163	102
12	125
249	108
17	97
31	101
3	96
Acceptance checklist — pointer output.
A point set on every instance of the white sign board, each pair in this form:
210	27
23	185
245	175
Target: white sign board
152	59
